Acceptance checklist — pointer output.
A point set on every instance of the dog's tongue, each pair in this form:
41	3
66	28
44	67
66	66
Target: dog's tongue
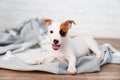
55	47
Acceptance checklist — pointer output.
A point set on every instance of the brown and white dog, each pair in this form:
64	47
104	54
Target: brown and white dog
65	48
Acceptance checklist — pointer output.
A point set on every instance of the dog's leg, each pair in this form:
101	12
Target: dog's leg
96	51
71	64
46	59
49	59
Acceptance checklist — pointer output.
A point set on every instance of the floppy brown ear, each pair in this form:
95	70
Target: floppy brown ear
47	22
68	23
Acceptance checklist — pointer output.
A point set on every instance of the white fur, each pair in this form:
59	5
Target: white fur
70	48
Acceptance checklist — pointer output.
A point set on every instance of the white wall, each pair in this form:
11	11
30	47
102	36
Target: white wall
100	17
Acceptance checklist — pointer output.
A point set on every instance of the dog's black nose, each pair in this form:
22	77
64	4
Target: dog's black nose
56	41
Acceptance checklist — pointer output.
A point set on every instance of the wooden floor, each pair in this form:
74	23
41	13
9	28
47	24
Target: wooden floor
108	71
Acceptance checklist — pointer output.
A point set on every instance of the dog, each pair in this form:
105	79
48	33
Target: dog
65	48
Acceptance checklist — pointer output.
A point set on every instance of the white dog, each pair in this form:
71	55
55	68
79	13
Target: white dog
66	48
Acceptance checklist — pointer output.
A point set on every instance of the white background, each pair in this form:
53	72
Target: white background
100	17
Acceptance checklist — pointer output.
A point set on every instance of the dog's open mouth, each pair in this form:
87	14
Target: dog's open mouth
55	47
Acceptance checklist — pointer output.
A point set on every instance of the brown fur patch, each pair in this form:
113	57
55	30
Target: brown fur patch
64	27
47	21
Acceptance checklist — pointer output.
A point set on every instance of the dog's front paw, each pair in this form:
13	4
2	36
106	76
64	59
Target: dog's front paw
71	70
35	62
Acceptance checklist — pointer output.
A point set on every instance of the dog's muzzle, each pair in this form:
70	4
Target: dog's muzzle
55	46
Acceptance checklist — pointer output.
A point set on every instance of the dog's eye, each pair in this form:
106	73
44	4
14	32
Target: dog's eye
51	32
62	33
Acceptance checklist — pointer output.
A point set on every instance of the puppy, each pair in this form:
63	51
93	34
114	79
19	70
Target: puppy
65	48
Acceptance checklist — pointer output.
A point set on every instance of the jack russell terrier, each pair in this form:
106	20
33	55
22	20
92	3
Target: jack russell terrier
65	48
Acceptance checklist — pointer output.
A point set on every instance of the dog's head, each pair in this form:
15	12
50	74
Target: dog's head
57	31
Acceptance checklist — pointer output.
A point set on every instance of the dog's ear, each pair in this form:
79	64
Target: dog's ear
47	22
68	23
65	26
